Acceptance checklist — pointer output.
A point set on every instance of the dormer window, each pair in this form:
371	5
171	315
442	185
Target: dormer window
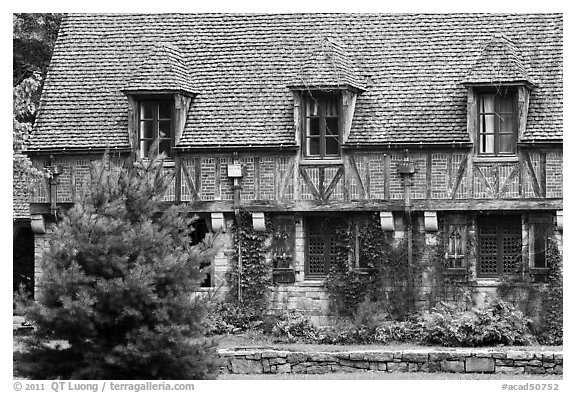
497	129
322	135
155	121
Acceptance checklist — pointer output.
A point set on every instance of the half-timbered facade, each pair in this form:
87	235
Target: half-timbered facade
311	119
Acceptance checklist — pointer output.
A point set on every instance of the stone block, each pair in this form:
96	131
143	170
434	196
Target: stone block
266	365
395	367
254	356
358	356
452	366
296	357
535	362
416	357
430	367
319	369
534	370
505	362
509	370
519	355
438	356
379	356
547	356
558	369
275	361
413	367
283	368
548	364
299	368
558	356
323	357
479	365
245	366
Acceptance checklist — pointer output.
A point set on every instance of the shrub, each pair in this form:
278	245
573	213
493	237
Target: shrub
497	323
293	326
230	318
116	286
411	330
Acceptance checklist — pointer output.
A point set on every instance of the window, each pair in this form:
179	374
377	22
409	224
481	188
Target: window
155	122
500	245
497	123
456	247
321	128
322	244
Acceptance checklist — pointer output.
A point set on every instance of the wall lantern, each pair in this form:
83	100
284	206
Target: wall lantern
258	222
234	170
37	223
560	220
217	221
430	221
387	221
406	168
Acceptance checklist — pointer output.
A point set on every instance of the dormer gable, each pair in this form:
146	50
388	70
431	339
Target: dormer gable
159	92
499	86
325	89
500	63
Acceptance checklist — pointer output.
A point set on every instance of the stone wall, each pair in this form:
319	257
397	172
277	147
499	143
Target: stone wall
249	361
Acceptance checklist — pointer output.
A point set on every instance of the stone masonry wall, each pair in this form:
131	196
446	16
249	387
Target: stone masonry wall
247	361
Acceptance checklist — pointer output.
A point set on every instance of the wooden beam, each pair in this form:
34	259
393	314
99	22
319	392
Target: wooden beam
217	193
532	175
256	177
486	182
177	178
533	204
543	174
386	176
333	183
459	176
287	177
310	184
356	174
429	175
508	181
191	183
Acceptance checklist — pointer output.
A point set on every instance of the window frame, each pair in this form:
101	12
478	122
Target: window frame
500	219
156	120
506	92
322	99
326	241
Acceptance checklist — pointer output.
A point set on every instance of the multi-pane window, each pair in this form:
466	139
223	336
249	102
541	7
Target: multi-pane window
456	247
155	122
497	123
321	129
322	244
500	245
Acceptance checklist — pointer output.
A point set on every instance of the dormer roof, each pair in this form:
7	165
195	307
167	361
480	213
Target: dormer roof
164	69
328	65
499	63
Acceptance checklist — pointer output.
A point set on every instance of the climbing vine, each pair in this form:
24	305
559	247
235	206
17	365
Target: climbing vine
552	302
385	277
254	272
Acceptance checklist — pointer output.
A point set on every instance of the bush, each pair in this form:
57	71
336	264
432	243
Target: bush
411	330
230	318
116	286
293	326
497	323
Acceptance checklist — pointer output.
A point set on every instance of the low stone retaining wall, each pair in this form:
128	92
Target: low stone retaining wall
258	361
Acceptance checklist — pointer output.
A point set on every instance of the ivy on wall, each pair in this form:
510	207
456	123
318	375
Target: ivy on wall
253	275
552	302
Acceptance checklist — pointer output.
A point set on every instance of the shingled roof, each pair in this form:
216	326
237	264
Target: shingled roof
328	65
500	62
241	67
165	69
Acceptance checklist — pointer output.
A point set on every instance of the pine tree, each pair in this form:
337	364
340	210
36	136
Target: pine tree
115	299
